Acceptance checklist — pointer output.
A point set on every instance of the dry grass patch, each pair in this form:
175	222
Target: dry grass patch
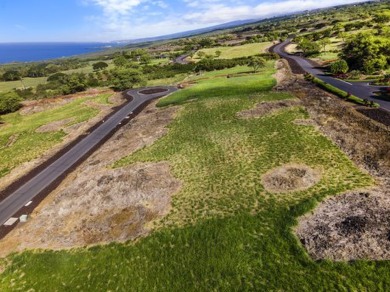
265	108
290	178
351	226
305	122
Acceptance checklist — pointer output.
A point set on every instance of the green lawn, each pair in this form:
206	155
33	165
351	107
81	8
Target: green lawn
28	143
238	51
224	231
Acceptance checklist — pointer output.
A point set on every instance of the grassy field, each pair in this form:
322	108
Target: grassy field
225	232
26	143
6	86
237	51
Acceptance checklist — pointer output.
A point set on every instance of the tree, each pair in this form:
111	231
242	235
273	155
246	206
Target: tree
59	77
366	52
339	67
308	47
9	102
123	79
11	75
37	71
99	66
206	43
145	59
324	42
201	54
256	63
120	61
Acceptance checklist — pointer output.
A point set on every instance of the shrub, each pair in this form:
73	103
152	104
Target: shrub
9	102
339	67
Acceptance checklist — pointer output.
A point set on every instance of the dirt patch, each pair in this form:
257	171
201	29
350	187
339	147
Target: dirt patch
264	108
351	226
96	204
283	75
54	126
290	178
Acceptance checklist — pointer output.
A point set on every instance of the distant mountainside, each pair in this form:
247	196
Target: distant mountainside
190	32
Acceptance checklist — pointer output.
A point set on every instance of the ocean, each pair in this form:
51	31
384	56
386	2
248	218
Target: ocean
28	52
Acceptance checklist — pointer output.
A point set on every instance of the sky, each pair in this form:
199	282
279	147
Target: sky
111	20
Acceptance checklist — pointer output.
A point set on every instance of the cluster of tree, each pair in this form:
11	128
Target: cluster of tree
308	47
127	59
153	72
366	53
41	69
255	62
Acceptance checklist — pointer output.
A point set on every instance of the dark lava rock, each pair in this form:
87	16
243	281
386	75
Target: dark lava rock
352	225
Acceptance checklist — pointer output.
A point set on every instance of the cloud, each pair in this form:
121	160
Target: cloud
116	7
127	19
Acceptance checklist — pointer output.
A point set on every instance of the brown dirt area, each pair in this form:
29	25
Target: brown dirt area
354	225
73	131
96	204
290	178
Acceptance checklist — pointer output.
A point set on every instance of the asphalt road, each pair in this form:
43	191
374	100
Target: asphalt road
359	89
26	193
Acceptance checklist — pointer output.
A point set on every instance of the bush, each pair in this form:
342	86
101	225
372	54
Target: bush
9	102
339	67
355	74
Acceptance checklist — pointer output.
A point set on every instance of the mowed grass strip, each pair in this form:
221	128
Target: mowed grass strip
19	141
224	232
217	83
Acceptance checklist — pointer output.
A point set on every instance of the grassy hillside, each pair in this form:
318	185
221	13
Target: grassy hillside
225	232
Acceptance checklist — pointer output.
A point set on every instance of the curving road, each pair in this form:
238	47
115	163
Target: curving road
359	89
181	59
48	176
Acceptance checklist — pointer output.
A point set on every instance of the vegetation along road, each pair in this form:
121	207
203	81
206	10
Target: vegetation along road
49	175
359	89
